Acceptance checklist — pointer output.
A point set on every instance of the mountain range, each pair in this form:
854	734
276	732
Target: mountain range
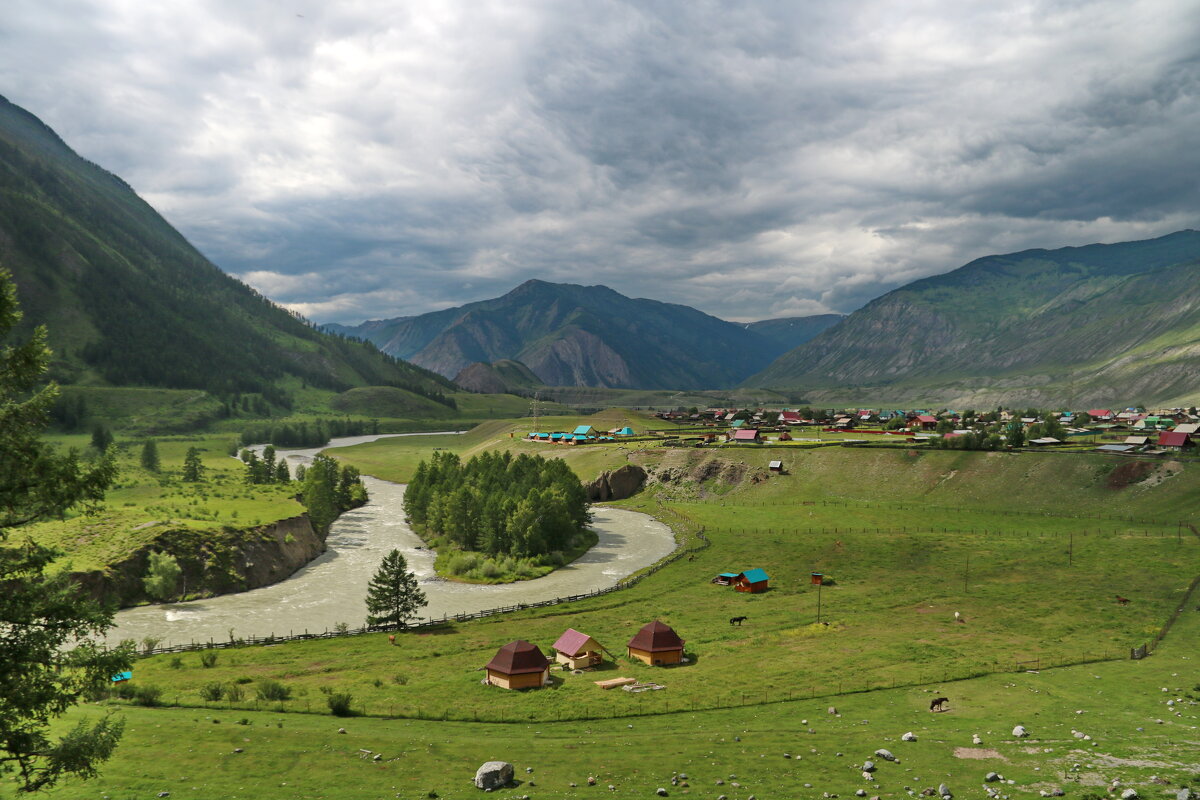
1103	323
128	301
570	335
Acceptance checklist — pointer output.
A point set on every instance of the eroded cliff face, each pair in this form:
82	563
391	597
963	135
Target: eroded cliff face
213	562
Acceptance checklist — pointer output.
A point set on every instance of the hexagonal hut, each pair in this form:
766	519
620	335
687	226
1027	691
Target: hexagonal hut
518	665
656	644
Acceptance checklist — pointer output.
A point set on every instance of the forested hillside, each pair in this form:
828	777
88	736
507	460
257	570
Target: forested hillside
128	301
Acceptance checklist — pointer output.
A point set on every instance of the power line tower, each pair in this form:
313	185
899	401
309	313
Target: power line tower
535	411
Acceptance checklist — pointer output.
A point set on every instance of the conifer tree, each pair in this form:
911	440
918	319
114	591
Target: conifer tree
150	461
392	595
193	469
41	614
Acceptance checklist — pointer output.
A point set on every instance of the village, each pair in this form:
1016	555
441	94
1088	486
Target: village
1132	431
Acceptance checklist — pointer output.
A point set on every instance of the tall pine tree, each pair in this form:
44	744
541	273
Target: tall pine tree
40	614
392	595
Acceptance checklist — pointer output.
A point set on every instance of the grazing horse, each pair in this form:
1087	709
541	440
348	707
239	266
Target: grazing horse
1122	601
937	703
737	620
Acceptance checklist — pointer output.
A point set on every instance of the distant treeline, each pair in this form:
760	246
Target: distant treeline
302	434
497	504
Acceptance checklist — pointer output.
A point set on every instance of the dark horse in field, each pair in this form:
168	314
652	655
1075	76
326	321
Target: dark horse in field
1122	601
737	620
938	703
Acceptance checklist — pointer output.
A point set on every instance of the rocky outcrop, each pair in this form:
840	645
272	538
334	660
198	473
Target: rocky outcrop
213	562
616	484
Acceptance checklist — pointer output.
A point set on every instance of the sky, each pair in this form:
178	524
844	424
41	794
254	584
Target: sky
363	159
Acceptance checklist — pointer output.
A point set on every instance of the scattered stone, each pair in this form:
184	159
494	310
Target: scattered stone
909	737
943	790
378	757
493	775
861	793
1185	794
1129	794
787	755
683	776
573	785
868	766
591	780
164	794
831	710
886	755
720	782
341	730
238	750
661	792
976	740
1020	731
1057	792
991	777
528	770
928	791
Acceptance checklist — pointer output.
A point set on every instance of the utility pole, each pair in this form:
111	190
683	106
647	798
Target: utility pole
819	601
1071	550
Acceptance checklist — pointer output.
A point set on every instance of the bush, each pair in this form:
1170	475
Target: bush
462	563
235	693
273	690
124	690
490	569
147	695
212	692
339	704
208	659
400	679
176	663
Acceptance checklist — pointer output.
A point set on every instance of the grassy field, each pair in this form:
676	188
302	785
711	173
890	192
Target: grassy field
784	750
143	505
1030	549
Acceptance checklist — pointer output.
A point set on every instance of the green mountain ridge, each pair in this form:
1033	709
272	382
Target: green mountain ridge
571	335
129	302
1078	325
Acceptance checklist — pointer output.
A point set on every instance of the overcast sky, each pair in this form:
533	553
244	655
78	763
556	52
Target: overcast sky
364	159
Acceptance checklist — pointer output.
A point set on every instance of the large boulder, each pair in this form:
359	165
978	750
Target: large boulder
493	775
616	484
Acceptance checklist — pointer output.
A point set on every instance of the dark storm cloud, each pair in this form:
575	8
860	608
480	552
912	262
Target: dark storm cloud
371	159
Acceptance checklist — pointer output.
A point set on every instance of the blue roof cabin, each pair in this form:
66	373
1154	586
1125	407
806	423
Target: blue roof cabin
626	431
586	431
725	578
752	580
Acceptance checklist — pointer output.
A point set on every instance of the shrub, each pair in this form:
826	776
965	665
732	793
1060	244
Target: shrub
490	569
400	679
462	563
235	693
339	704
146	695
212	692
124	690
273	690
208	659
176	663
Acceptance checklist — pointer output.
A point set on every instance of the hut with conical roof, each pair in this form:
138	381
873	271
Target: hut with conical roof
518	665
656	644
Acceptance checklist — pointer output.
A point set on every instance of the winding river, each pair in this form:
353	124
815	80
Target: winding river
331	589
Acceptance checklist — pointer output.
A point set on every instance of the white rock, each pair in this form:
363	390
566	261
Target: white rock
909	737
1020	731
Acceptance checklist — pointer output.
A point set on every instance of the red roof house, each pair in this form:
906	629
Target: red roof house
518	665
927	421
656	644
577	650
1175	440
747	435
1100	413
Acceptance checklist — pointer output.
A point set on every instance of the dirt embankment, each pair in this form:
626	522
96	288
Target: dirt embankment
212	562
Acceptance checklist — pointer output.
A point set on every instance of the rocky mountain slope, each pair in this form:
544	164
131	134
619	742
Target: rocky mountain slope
128	301
1079	325
571	335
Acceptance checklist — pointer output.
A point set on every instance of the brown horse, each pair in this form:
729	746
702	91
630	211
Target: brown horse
938	703
1122	601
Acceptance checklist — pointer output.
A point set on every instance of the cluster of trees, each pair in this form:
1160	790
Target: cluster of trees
328	490
497	504
266	469
302	434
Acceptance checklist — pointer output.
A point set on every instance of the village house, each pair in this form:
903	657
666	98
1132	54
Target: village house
752	581
656	644
518	665
577	650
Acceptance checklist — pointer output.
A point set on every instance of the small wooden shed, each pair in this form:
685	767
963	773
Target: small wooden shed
518	665
752	580
656	644
577	650
725	578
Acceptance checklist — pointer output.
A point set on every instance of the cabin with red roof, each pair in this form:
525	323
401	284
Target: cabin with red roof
927	422
1100	414
518	665
747	435
577	650
1174	440
656	644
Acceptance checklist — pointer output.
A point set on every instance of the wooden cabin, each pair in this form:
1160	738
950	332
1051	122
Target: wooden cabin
752	581
577	650
518	665
656	644
725	578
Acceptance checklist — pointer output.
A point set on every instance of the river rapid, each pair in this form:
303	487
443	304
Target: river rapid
332	588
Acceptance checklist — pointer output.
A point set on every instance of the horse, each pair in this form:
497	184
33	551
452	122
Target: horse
1122	601
737	620
937	703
